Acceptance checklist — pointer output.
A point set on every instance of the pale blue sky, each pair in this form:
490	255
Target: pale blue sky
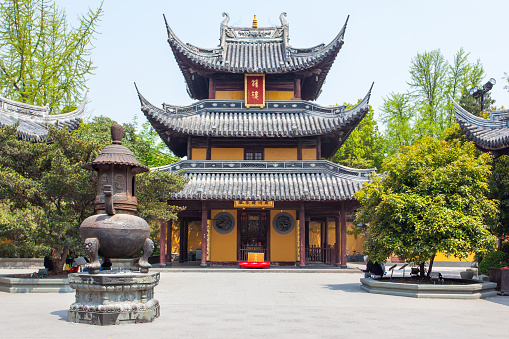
380	41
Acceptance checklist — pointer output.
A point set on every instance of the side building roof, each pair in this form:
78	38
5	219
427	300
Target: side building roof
230	118
488	134
318	180
33	120
255	50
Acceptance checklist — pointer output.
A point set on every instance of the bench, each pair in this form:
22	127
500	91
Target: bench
255	260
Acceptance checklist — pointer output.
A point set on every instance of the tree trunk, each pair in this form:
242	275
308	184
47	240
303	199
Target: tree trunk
431	260
421	269
58	260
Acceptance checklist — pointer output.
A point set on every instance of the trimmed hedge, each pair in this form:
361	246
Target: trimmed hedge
494	259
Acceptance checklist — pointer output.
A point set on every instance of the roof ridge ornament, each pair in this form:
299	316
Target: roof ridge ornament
282	19
226	20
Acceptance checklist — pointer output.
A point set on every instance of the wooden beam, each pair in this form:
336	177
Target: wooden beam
208	149
204	236
343	235
337	252
302	235
162	242
299	149
297	90
212	90
319	148
169	235
189	149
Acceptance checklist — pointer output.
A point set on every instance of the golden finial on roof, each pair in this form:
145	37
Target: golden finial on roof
255	22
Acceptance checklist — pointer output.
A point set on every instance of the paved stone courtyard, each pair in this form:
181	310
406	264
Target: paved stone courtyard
240	304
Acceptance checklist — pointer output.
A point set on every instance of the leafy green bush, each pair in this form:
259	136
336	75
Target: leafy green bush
493	259
23	251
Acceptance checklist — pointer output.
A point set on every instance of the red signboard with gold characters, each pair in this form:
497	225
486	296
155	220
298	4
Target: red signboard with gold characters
254	89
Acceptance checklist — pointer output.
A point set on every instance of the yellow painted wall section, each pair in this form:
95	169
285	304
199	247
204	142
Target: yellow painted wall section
230	95
269	95
308	154
227	154
223	247
442	257
279	95
199	153
283	247
280	154
352	243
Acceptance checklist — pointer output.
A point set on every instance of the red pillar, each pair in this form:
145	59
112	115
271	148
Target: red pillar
326	240
162	243
203	236
297	89
337	253
302	235
169	235
212	90
343	234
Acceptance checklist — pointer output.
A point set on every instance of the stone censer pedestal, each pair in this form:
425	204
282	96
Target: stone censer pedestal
109	297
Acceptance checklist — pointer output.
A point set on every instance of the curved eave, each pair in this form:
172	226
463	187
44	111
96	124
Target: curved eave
487	134
276	181
34	120
252	123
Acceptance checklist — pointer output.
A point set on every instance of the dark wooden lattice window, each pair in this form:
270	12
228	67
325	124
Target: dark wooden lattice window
253	154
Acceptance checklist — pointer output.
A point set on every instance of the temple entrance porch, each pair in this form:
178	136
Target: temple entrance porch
228	234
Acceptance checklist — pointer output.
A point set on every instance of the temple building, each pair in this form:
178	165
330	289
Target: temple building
34	120
254	144
489	135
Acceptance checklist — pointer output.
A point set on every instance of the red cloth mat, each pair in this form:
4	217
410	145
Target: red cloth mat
254	264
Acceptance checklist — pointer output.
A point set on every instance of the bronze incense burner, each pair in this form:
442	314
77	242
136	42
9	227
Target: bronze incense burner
114	231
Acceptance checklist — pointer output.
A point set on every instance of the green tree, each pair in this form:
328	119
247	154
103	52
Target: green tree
362	149
427	107
499	189
432	198
45	193
43	60
398	116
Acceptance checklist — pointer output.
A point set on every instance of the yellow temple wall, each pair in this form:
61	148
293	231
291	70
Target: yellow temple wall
352	243
199	153
308	154
223	247
283	247
279	95
269	95
280	154
226	154
230	95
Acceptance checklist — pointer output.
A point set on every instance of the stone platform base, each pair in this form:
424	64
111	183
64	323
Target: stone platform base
478	290
114	298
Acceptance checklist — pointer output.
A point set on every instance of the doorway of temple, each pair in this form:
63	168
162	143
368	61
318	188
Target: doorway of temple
254	234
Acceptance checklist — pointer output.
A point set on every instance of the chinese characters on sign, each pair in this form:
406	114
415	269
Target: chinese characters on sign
254	90
253	204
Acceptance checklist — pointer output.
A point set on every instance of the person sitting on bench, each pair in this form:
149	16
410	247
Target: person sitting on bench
373	270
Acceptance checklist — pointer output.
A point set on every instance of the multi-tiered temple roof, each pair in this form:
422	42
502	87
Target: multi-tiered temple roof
264	50
488	134
230	118
34	120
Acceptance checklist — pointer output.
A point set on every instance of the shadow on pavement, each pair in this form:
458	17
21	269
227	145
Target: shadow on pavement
62	314
352	287
501	300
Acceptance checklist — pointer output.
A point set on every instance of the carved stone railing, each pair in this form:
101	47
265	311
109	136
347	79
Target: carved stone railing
305	166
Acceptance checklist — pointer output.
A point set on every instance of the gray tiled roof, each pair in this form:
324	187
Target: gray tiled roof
256	50
268	180
33	120
230	118
489	134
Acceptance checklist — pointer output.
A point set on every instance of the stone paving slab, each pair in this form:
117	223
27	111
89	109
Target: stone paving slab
277	305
